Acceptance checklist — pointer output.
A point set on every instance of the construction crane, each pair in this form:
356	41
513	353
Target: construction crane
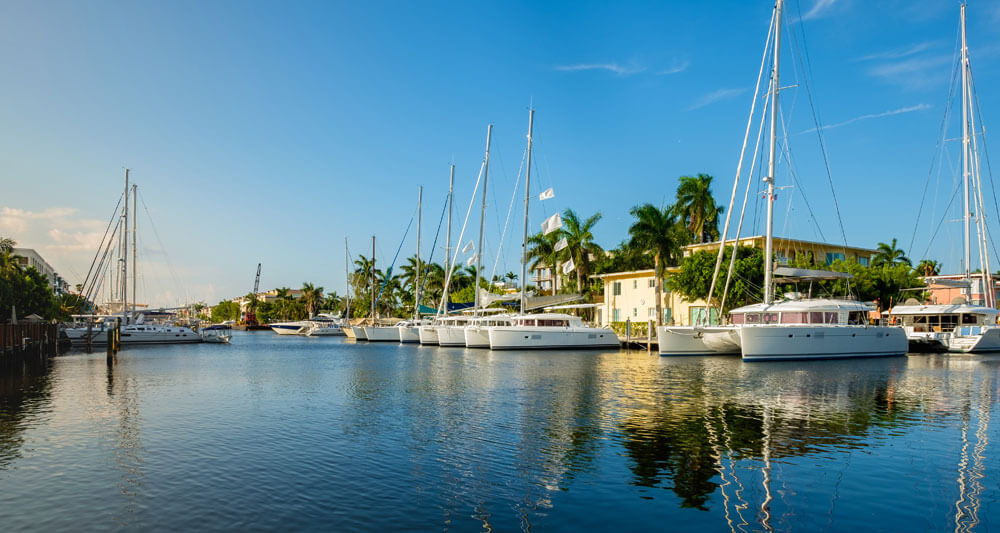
251	316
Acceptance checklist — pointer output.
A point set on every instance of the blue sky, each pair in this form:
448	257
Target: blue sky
266	131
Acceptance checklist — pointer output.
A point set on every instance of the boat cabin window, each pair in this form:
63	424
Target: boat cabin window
753	318
736	318
526	322
969	319
770	318
794	317
553	322
815	317
856	318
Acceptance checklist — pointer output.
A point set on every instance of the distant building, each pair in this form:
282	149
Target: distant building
945	289
785	250
28	257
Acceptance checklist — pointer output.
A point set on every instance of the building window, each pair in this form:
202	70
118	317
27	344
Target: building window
616	288
652	313
616	315
635	312
833	256
863	261
635	284
781	258
668	316
652	283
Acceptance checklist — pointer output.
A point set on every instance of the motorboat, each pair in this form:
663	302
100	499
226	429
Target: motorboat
324	325
290	328
218	333
549	331
136	333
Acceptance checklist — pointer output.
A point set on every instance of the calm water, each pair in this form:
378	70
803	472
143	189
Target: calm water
322	434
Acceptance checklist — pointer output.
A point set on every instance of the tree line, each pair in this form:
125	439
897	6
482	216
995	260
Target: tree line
26	291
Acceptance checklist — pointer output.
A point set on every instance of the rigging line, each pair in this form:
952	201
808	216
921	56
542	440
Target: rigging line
513	198
388	273
458	247
939	145
94	291
943	217
430	258
114	215
786	154
166	256
807	72
982	136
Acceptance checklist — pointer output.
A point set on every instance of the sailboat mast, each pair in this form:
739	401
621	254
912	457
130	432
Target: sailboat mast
769	179
135	237
966	214
124	251
347	277
482	216
527	197
373	280
447	246
420	267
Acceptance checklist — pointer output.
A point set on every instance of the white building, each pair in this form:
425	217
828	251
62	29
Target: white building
28	257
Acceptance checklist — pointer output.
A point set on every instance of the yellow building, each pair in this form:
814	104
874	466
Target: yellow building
632	295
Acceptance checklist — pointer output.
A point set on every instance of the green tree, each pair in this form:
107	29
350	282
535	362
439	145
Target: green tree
542	253
693	279
697	208
580	243
889	254
928	267
227	310
311	298
655	230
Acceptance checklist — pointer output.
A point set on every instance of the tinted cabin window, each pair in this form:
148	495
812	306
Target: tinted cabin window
753	318
793	318
815	317
831	318
968	319
736	318
770	318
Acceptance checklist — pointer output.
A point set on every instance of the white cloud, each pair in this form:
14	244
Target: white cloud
899	53
676	68
818	9
715	96
622	70
900	111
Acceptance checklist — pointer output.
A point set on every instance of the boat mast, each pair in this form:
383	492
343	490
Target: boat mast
482	217
447	246
373	280
769	179
965	150
347	277
124	253
527	197
135	237
416	283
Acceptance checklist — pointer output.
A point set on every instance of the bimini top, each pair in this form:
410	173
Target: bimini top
791	275
805	306
942	309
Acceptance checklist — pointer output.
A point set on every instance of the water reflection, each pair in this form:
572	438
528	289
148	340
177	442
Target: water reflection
25	389
123	396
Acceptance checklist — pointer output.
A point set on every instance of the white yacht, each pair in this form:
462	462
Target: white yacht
324	325
381	333
131	334
357	333
958	327
219	333
694	340
477	332
410	330
451	330
290	328
428	333
813	329
548	331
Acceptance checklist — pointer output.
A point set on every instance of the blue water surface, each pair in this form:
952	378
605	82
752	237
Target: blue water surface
325	434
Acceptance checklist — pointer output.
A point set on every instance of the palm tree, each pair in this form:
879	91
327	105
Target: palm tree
580	242
928	267
7	262
311	297
889	255
542	253
655	230
696	206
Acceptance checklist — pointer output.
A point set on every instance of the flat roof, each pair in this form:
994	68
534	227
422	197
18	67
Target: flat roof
776	239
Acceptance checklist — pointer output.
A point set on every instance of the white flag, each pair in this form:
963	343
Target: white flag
551	224
568	266
468	247
471	260
546	194
561	244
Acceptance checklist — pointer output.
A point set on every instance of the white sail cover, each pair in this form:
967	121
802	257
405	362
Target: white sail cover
551	224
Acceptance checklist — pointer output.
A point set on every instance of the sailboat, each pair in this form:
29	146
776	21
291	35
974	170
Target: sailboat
374	332
960	326
544	330
134	329
795	327
409	331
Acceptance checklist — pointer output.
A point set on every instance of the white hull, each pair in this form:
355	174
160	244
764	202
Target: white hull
477	337
409	333
359	333
690	340
325	331
545	337
137	334
789	342
451	335
348	332
725	341
976	339
217	339
382	333
289	328
428	335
